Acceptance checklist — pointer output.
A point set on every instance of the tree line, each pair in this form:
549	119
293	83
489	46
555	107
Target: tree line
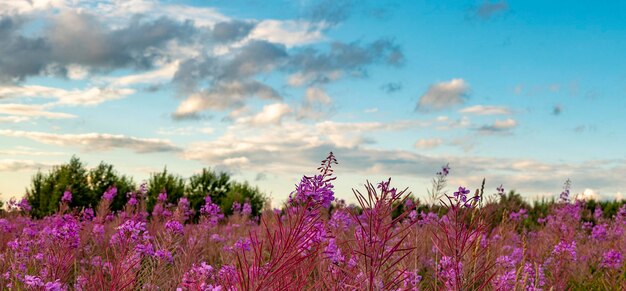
87	186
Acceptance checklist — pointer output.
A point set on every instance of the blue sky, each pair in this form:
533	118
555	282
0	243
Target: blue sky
523	93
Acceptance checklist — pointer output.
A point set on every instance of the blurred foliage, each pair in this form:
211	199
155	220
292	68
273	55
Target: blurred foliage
172	184
46	190
87	186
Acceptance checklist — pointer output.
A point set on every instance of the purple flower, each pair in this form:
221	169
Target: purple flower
175	227
612	259
599	232
243	244
565	248
164	255
67	197
564	197
162	197
246	209
462	193
24	206
33	281
500	190
211	211
517	216
315	190
54	286
110	193
448	271
445	171
333	252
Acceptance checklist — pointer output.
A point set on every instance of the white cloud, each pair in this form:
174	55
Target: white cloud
317	95
486	110
13	119
26	151
428	143
288	32
96	141
499	126
76	72
77	97
32	111
236	162
189	130
162	74
271	114
11	165
443	95
589	194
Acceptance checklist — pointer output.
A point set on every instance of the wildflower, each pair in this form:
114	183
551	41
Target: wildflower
520	215
243	244
500	190
110	193
445	171
33	281
54	286
314	189
24	205
67	197
174	227
461	194
246	209
88	214
183	205
334	252
164	255
599	232
162	197
564	197
565	248
449	271
612	259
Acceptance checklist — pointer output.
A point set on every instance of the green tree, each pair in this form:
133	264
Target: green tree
206	183
104	176
173	185
87	186
243	192
47	189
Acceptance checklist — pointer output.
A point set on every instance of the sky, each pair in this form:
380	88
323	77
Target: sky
522	93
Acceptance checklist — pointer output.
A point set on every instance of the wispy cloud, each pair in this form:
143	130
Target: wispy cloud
11	165
499	126
35	111
96	141
75	97
428	143
489	9
486	110
443	95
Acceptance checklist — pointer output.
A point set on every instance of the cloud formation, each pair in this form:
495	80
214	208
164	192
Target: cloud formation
489	9
486	110
499	126
96	141
443	95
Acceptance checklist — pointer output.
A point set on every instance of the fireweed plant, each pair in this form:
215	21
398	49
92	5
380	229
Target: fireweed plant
387	241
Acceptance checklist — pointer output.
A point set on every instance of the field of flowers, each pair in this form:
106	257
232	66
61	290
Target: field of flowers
389	241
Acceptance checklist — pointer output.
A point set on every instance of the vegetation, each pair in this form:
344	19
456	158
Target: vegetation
470	240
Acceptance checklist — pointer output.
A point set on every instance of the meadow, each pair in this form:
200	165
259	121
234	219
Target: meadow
462	239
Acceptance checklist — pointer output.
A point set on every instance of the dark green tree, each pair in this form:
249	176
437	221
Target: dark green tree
173	185
206	183
87	186
47	189
243	192
104	176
